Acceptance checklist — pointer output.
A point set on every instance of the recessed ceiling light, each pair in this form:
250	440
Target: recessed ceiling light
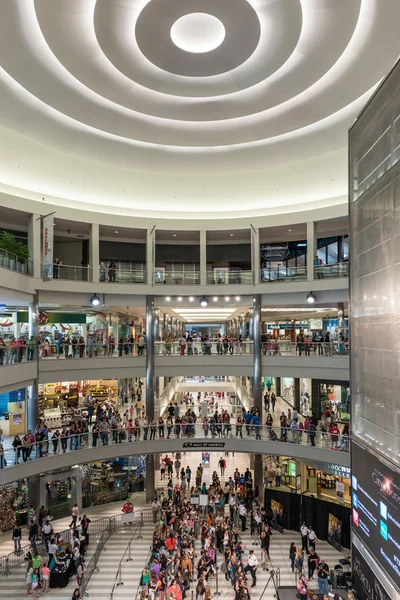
191	298
197	33
227	298
174	234
289	230
231	234
237	298
179	298
168	298
215	298
116	231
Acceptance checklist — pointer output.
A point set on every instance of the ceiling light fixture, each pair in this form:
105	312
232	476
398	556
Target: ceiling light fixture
215	298
231	234
311	298
289	230
197	33
191	298
227	298
116	231
168	298
179	298
174	234
95	300
204	301
237	298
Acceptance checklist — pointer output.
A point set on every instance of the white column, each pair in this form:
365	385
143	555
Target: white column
311	249
203	257
34	224
256	256
150	255
94	257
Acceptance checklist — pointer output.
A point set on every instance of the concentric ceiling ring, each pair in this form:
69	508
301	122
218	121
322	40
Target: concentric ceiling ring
153	36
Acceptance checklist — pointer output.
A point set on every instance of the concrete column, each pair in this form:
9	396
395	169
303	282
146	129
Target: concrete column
296	394
251	324
256	263
259	475
94	259
315	399
32	401
156	324
32	411
34	491
278	390
150	356
257	390
34	245
311	249
203	257
150	255
150	477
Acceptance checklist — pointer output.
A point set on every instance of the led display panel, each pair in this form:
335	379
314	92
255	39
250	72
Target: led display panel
375	499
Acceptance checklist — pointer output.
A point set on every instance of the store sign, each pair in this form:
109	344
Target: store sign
365	583
340	491
274	252
204	445
47	250
338	470
315	324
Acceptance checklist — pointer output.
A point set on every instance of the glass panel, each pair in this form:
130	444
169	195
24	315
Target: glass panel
333	253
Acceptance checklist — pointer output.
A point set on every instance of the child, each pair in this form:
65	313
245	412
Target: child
46	577
35	583
28	578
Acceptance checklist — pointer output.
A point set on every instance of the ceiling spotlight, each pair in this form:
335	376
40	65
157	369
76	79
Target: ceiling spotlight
191	298
227	298
116	231
204	302
215	298
237	298
168	298
95	300
179	298
174	234
289	230
311	298
231	234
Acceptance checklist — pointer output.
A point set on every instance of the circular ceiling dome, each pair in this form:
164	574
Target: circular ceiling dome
103	110
198	33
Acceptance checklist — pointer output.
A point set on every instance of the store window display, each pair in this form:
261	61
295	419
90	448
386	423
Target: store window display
335	399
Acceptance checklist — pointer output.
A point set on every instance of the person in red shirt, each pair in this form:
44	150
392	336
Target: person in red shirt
334	433
170	543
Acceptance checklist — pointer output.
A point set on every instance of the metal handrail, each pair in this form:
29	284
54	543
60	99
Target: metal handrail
118	577
7	255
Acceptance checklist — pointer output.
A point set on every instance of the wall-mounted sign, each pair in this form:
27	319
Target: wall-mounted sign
274	252
204	445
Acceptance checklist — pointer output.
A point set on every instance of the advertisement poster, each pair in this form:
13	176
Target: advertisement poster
47	250
17	419
365	583
335	532
277	510
375	500
340	491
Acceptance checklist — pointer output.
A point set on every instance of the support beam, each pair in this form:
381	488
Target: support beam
150	478
296	394
34	224
256	319
150	356
311	249
150	255
94	258
255	259
203	257
259	474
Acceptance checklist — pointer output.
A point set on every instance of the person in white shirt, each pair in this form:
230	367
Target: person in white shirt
312	537
75	515
243	515
252	564
304	537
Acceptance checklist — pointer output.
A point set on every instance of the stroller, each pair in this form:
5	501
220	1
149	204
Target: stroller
340	575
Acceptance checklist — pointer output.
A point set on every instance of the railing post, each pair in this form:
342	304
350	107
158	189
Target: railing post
129	559
120	582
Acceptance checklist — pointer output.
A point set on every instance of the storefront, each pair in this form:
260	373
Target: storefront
335	398
60	401
12	412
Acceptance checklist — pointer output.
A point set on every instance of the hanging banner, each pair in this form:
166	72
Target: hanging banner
48	242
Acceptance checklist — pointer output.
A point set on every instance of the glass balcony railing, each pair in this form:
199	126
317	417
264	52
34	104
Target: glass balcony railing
283	273
331	271
11	261
102	434
122	275
69	272
176	277
229	277
13	353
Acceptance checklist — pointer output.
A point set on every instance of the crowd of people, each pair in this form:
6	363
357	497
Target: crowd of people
194	545
52	552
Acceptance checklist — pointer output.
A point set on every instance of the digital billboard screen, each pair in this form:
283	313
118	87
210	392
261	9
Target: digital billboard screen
375	499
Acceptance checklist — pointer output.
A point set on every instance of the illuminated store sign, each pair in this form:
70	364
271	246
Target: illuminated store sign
375	502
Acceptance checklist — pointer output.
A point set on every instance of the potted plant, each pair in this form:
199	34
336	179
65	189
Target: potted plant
13	253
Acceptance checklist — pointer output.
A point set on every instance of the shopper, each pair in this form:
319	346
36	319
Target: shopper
302	585
75	515
16	536
252	564
304	537
323	574
313	560
292	555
